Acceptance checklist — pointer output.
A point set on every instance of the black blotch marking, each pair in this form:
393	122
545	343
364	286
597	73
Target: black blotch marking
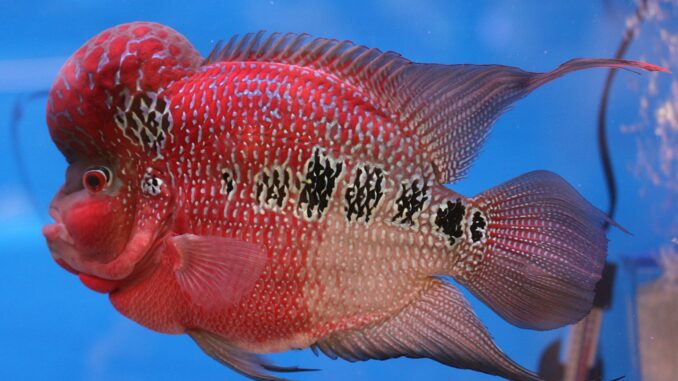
364	194
227	182
477	227
271	189
147	117
319	184
151	185
410	201
448	220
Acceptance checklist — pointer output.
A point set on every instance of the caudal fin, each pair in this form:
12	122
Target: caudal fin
543	252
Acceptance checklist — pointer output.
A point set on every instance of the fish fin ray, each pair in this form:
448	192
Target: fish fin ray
453	107
246	363
450	107
216	272
439	324
287	369
544	254
577	64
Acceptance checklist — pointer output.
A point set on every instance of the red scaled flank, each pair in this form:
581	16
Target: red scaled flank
287	192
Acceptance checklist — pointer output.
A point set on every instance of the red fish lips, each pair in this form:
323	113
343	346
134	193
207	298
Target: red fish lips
63	250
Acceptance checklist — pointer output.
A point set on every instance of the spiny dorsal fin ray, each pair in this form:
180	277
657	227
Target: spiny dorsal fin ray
447	108
363	67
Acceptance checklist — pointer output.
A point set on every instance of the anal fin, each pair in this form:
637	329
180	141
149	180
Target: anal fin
439	325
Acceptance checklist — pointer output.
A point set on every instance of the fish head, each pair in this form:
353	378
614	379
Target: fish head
108	115
96	214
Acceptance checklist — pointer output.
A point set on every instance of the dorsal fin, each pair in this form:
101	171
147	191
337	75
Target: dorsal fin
448	109
363	67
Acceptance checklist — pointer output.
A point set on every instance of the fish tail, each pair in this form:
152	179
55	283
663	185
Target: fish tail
589	63
537	251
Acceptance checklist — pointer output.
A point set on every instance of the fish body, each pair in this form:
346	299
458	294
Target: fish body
287	192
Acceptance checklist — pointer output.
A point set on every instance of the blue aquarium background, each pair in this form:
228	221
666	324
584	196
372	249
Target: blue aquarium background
52	327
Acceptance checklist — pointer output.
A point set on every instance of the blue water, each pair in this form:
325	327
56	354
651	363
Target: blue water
52	327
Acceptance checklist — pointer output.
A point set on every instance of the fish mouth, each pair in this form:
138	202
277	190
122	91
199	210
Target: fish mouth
64	253
97	284
56	231
60	242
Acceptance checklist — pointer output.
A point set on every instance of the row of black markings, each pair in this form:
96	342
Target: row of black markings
361	197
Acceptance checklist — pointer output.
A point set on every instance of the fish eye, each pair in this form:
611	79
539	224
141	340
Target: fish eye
96	179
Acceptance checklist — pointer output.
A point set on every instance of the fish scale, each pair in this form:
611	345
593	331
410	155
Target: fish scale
259	76
287	192
269	223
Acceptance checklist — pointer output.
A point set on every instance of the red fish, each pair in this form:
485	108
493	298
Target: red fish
287	192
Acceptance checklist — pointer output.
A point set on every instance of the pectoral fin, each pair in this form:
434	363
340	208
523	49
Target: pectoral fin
216	272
